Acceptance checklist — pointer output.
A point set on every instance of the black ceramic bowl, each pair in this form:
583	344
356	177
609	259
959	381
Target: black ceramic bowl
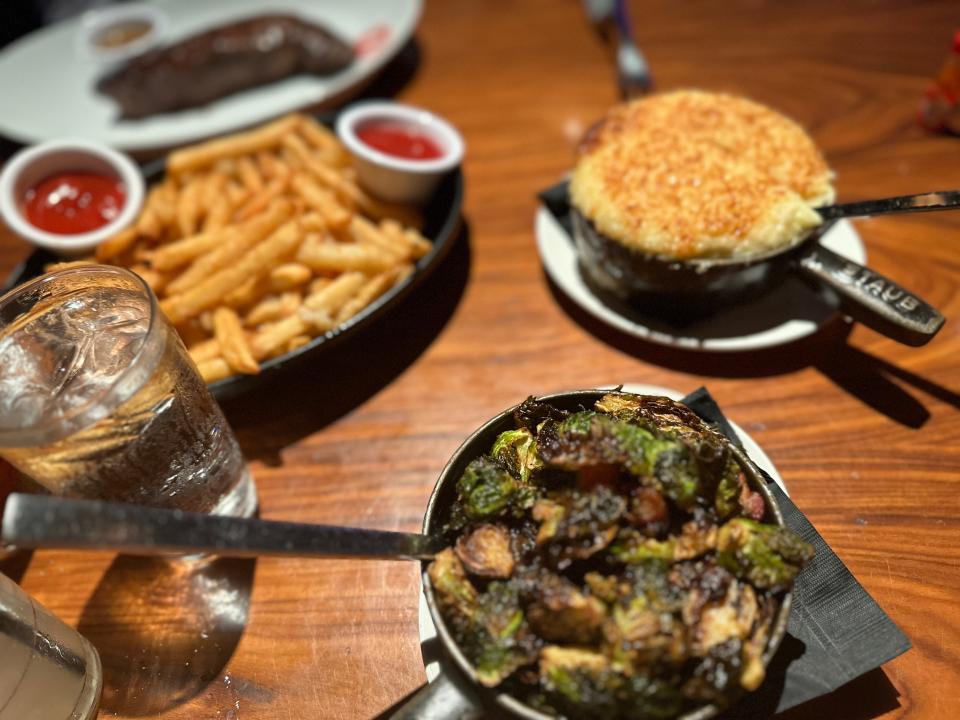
438	512
696	287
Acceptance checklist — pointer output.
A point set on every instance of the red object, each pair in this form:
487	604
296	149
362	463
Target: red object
399	140
72	203
940	105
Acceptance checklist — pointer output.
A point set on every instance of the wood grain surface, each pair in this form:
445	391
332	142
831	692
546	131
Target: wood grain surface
863	430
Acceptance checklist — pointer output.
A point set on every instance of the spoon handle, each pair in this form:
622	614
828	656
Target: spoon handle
923	202
44	521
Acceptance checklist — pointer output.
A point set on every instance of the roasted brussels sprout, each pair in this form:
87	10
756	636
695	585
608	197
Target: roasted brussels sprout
516	450
485	551
767	555
487	491
611	563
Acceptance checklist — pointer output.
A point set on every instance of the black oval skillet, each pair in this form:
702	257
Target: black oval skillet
460	697
665	285
441	216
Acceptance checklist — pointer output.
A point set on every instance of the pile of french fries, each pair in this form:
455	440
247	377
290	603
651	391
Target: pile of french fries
257	242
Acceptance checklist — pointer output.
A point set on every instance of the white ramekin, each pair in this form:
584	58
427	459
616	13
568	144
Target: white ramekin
93	22
393	178
31	165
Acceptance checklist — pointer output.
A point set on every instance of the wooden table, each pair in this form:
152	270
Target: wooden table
863	430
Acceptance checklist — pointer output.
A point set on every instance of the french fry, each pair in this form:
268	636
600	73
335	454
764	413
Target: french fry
259	201
249	175
116	245
417	244
205	350
243	237
365	232
233	342
185	250
317	135
248	293
272	338
335	216
269	166
273	308
343	257
213	370
297	342
205	154
289	276
368	292
254	262
188	207
66	265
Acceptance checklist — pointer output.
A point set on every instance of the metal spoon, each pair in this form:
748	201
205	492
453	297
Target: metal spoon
921	202
35	521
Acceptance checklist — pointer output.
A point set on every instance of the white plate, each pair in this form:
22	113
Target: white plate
432	654
47	71
787	313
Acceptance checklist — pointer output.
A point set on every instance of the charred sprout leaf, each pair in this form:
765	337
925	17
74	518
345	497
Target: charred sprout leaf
581	684
531	413
454	590
577	524
485	551
695	539
502	641
727	493
589	438
717	678
768	556
606	587
559	612
488	491
729	618
648	511
676	421
516	450
633	547
643	628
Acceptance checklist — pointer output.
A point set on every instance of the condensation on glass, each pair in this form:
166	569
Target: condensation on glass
99	398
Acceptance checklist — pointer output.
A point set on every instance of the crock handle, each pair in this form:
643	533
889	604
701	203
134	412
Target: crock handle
443	699
871	298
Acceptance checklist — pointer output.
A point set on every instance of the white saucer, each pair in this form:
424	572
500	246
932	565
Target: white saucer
430	649
787	313
47	71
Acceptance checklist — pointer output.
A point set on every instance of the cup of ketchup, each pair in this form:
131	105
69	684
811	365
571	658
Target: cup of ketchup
69	195
400	151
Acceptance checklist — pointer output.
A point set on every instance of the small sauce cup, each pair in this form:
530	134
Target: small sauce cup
115	34
409	169
34	164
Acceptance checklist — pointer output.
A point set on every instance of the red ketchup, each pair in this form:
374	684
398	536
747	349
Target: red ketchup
74	202
400	140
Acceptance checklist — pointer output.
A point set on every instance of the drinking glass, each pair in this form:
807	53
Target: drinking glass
49	671
99	398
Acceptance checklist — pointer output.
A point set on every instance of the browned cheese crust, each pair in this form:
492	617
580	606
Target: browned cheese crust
692	174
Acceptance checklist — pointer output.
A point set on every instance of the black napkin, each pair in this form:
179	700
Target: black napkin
555	199
836	631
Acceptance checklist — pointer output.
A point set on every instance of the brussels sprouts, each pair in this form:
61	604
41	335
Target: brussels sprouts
769	556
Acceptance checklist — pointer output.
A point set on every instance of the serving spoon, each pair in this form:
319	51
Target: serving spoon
921	202
43	521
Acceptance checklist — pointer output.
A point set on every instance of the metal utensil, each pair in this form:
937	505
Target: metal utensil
44	521
612	20
921	202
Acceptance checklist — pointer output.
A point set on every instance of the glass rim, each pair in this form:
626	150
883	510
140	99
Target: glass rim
52	429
